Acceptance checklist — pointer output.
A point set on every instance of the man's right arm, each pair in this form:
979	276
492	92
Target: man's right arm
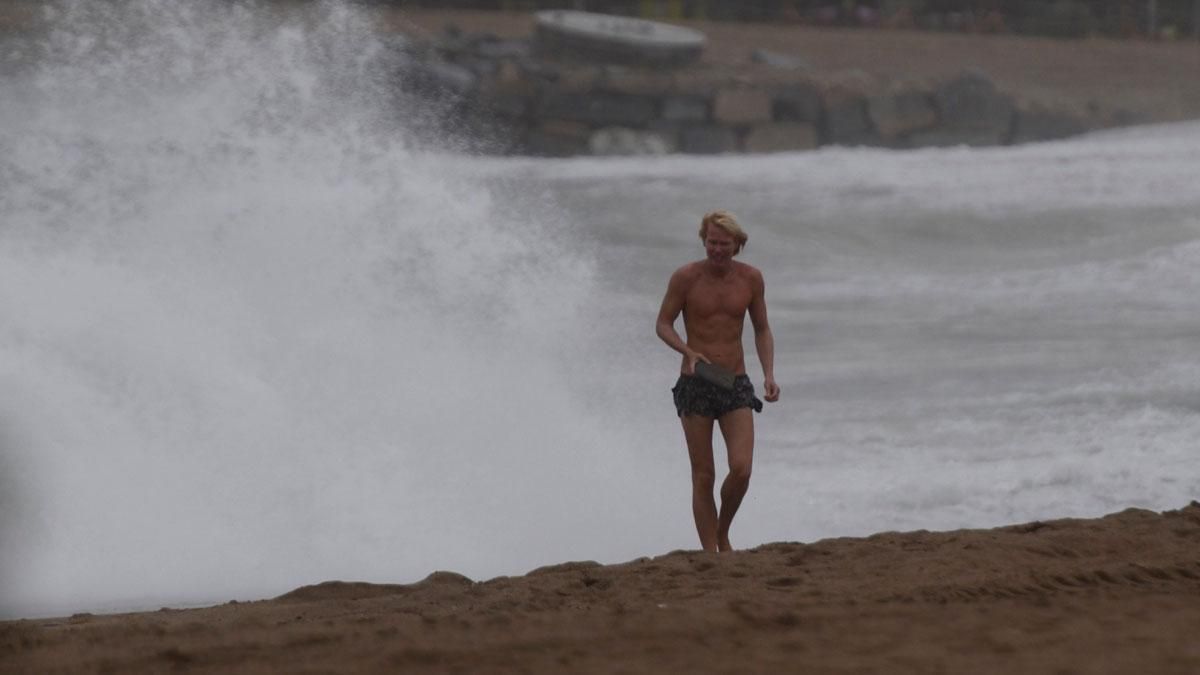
672	305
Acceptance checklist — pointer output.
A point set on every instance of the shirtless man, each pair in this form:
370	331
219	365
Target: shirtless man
714	295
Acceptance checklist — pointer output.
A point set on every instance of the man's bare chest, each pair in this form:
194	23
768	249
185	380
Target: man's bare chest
718	297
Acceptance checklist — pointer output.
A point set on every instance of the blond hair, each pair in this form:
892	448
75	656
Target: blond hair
725	221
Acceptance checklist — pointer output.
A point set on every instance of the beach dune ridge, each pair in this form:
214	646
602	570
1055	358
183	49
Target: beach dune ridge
1120	593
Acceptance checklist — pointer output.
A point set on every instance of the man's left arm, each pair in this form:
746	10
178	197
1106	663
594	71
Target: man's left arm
764	340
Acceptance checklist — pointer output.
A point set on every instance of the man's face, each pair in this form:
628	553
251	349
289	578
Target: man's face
719	245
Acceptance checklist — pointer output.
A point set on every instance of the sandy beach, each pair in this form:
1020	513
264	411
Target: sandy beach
1118	594
1108	594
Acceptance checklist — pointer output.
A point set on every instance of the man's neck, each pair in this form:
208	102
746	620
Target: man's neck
718	270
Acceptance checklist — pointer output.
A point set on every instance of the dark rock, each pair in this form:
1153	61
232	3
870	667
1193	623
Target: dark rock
611	141
600	109
508	92
579	80
846	122
480	67
1122	117
698	81
685	109
451	41
669	131
507	106
971	103
707	140
558	138
899	113
1043	124
741	105
482	130
441	78
503	49
781	136
538	71
797	103
636	81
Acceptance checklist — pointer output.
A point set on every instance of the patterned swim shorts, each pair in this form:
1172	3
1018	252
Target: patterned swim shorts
694	396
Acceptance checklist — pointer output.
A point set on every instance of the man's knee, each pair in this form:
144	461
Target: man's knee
703	476
740	471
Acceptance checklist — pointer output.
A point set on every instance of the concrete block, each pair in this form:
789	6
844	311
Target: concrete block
708	139
600	110
741	106
636	81
797	103
685	109
620	141
780	137
899	113
701	82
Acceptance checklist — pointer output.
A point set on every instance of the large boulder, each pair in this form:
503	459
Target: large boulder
483	131
699	81
684	108
558	138
637	81
970	108
509	93
1041	123
600	109
443	79
901	112
491	47
575	79
619	141
709	139
844	101
799	102
846	121
741	105
780	136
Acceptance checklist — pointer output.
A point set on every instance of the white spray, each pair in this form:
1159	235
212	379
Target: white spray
250	338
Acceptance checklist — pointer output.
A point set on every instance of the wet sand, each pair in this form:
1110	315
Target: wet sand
1118	594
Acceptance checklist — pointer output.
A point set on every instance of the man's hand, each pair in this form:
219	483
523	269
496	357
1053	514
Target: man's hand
770	390
692	358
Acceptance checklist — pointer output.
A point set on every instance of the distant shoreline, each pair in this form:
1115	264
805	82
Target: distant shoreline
1143	81
1140	80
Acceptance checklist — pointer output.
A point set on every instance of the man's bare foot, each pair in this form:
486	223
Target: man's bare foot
723	545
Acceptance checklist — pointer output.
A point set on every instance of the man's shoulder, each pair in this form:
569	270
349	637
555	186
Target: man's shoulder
748	271
688	271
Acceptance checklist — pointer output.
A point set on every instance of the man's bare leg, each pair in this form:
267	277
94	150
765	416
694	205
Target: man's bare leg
737	426
698	431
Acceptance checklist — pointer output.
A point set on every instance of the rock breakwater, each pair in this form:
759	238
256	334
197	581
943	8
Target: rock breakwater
514	97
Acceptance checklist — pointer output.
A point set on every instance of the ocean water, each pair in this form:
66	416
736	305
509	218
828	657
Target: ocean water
259	330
